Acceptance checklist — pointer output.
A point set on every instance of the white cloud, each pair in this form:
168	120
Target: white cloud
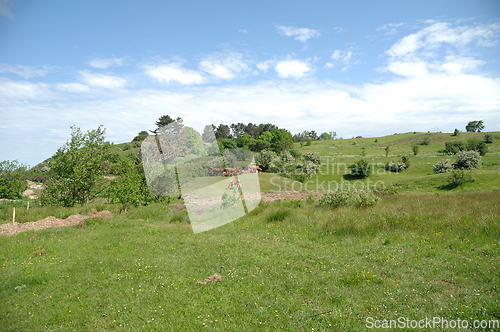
173	72
25	71
427	41
390	29
409	69
224	65
243	31
417	55
101	80
301	34
265	65
341	56
103	63
5	8
21	90
72	87
292	68
401	105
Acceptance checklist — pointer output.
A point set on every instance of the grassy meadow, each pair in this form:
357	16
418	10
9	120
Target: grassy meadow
288	265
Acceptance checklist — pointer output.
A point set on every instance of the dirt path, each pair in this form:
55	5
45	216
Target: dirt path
50	222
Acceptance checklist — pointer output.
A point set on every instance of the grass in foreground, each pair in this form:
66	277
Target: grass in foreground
288	266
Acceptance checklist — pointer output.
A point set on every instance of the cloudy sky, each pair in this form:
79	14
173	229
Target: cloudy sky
369	68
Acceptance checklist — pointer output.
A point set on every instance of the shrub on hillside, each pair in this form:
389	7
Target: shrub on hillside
334	199
313	157
478	145
266	159
309	168
415	149
454	147
459	177
443	166
468	160
395	167
360	169
12	180
488	138
401	165
130	187
286	157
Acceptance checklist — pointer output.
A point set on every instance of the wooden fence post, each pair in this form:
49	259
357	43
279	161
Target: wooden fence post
13	214
28	207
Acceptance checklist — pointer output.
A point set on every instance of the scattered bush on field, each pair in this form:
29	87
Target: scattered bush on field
130	187
488	138
360	169
313	157
399	166
12	179
334	199
415	149
459	177
443	166
468	160
266	159
309	168
476	144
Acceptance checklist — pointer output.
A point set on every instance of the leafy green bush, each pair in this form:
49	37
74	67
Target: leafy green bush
443	166
401	165
475	144
309	168
130	187
406	160
313	157
286	157
12	182
360	169
456	132
468	160
78	169
334	199
415	149
488	138
266	159
395	167
454	147
459	177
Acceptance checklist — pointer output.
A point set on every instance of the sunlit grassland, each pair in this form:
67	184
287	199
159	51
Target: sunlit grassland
286	263
418	178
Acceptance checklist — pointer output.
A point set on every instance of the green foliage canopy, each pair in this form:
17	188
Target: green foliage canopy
77	168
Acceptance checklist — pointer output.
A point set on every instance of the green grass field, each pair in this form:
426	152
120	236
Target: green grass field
288	265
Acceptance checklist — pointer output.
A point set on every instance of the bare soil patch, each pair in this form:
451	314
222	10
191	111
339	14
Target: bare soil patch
51	222
295	195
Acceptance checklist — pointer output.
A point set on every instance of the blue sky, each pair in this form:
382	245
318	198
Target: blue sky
369	68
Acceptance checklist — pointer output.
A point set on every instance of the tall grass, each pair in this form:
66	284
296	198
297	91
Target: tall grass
412	256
